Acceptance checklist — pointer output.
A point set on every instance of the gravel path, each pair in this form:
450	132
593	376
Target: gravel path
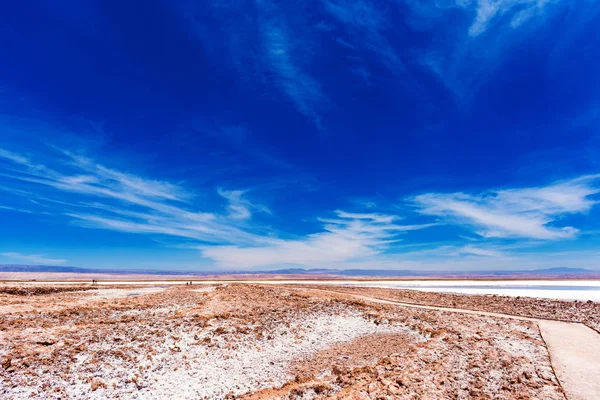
574	348
575	353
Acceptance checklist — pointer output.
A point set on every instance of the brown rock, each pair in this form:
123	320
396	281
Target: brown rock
46	342
97	383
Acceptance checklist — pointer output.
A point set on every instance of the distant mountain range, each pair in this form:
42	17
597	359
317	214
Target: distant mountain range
317	272
411	273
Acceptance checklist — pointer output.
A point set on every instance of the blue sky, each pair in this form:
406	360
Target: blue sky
407	134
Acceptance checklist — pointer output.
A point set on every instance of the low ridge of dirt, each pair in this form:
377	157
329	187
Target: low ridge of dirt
29	290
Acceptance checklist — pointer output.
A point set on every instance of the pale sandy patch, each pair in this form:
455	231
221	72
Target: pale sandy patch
119	293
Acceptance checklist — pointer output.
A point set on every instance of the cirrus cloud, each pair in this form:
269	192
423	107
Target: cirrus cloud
348	237
525	212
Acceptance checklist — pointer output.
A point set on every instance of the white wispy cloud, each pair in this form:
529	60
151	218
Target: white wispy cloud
477	251
15	209
260	40
33	258
526	212
487	11
483	14
122	182
17	158
239	207
349	236
366	26
105	198
302	89
465	55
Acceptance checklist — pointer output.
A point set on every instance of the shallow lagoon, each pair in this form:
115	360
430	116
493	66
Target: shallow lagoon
566	290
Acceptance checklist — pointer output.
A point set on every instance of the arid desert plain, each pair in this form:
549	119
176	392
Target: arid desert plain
301	341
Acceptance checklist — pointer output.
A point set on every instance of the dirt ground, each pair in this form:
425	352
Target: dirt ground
257	342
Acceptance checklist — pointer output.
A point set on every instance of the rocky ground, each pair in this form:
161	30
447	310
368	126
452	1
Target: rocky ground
585	312
31	290
256	342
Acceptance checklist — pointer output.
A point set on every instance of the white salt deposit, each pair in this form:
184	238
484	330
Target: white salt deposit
117	293
199	371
